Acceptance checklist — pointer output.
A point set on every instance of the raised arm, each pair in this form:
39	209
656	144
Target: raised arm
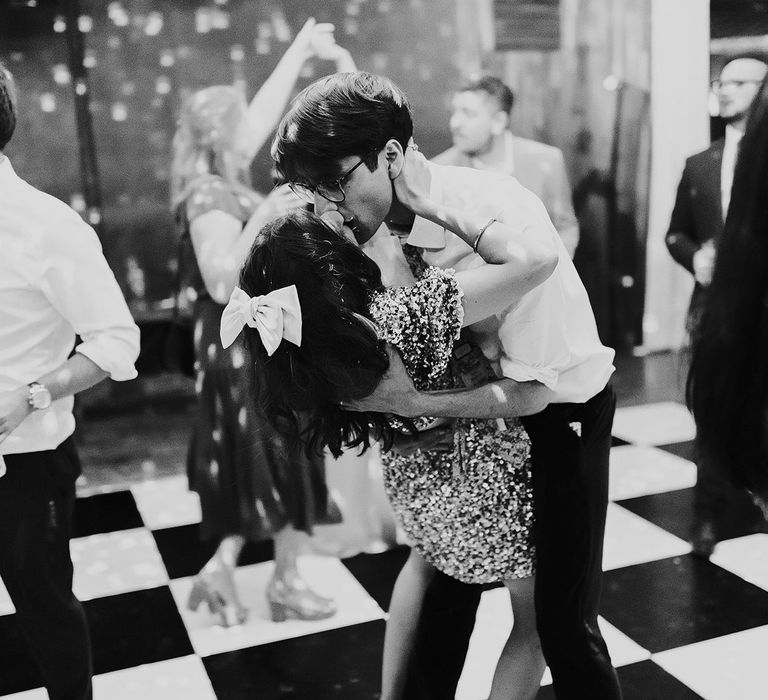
268	105
520	254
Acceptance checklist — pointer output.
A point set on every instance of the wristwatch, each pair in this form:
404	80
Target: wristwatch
39	397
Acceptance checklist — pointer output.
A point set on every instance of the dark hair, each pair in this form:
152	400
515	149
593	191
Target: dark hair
493	87
7	106
728	381
342	115
341	356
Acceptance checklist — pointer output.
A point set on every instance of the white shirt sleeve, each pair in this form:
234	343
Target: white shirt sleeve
79	284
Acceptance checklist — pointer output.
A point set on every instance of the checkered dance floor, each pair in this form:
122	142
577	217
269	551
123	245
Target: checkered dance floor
678	627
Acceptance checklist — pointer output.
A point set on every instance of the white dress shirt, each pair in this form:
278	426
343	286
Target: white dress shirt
54	284
728	165
549	335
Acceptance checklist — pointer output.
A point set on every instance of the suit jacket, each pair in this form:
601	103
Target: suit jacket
698	215
541	169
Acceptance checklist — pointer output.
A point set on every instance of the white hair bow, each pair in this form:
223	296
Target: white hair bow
275	316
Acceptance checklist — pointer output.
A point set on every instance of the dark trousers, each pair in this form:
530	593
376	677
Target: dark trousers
570	486
37	495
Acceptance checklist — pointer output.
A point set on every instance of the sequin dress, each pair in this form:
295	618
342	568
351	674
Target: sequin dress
468	512
249	481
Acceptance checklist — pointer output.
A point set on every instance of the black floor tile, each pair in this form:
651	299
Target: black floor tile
106	512
678	601
647	681
673	511
377	572
18	669
680	449
343	664
136	628
184	552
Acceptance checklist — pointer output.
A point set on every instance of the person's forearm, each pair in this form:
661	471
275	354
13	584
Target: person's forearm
504	398
530	245
73	376
267	106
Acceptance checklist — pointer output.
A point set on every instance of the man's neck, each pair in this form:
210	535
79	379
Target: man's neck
739	124
399	219
494	155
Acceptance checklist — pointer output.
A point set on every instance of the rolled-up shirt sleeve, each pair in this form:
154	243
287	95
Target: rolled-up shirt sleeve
80	285
534	349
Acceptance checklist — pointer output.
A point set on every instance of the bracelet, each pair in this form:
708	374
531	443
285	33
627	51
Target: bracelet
480	233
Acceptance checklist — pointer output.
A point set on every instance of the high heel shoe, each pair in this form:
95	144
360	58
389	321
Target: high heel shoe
217	590
297	601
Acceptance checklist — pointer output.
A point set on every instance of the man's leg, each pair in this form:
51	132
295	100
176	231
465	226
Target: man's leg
445	626
36	498
570	486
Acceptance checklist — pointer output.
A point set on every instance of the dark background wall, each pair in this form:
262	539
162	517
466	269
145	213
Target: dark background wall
144	56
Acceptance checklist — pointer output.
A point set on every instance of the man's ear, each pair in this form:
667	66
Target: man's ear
393	153
500	123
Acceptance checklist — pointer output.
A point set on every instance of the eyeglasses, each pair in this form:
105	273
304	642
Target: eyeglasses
718	85
331	190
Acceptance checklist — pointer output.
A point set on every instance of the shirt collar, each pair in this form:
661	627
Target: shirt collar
425	233
732	135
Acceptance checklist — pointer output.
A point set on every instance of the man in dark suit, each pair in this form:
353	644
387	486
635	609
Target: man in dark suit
697	221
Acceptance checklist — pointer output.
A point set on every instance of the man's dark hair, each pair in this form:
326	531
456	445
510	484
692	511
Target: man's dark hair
339	116
493	87
7	106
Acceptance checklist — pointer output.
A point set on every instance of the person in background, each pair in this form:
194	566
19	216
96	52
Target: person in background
728	380
695	231
480	116
54	284
252	485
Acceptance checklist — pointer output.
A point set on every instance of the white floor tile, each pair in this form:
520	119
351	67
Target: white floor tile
36	694
630	539
176	679
116	562
493	622
167	502
725	668
746	557
6	606
640	471
326	575
654	424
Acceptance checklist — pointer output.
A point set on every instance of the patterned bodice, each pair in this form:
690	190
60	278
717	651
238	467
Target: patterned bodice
423	321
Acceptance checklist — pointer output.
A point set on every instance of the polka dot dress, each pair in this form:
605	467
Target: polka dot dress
249	481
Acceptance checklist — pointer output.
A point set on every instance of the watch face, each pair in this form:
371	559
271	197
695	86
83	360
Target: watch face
39	397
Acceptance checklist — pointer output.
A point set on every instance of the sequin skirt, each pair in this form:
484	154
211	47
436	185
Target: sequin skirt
469	512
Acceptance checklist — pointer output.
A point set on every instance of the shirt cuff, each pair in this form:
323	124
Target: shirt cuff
115	355
526	373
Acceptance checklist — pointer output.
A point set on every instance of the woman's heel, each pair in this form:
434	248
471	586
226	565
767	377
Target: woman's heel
278	612
197	595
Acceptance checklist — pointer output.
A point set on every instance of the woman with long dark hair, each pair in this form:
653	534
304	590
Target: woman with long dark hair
316	319
728	380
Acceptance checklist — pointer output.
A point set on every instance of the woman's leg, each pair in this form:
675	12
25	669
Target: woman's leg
404	614
521	664
288	594
215	584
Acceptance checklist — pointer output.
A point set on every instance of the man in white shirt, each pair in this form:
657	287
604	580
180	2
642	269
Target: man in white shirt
480	115
547	340
696	225
54	284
